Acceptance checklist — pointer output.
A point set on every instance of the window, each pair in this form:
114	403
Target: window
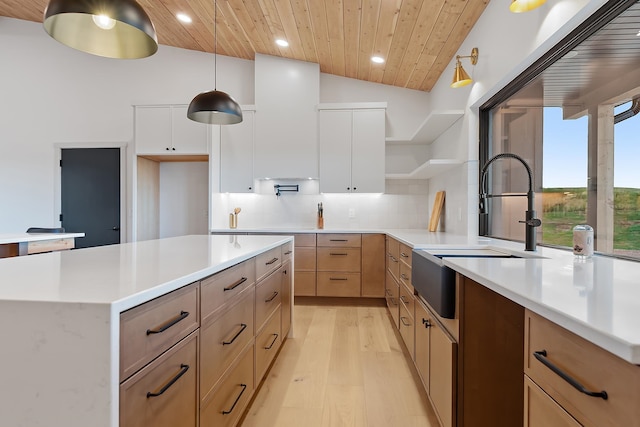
573	118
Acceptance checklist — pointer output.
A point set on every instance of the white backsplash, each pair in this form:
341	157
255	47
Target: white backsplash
404	205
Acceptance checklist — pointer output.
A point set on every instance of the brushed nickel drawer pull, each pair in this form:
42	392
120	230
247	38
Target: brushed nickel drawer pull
235	285
275	294
275	338
338	278
403	255
404	276
183	370
403	322
338	240
338	254
244	387
271	262
183	315
243	326
542	358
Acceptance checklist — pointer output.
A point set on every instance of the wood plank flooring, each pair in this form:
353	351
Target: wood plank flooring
344	367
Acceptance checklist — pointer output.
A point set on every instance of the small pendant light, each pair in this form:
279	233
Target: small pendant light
109	28
460	76
215	107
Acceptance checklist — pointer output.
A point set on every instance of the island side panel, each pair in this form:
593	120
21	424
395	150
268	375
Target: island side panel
57	365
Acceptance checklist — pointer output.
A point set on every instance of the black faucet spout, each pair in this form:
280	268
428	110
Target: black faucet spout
531	222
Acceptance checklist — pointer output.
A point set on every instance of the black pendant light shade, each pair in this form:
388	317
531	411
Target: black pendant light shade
215	108
109	28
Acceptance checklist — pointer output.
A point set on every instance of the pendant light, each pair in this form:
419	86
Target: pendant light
109	28
460	76
519	6
215	107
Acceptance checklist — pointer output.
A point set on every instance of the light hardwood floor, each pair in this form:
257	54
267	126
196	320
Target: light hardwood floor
344	367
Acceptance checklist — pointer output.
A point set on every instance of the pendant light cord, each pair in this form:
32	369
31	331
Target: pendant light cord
215	45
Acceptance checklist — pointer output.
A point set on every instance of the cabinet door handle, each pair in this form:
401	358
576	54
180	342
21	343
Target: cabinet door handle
183	315
403	255
288	252
338	278
402	319
235	285
388	292
275	294
183	370
244	387
338	254
393	301
542	358
271	262
275	338
338	240
404	276
393	259
426	323
243	326
404	299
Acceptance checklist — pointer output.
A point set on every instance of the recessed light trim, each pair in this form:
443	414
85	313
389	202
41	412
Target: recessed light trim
638	33
377	59
282	43
183	17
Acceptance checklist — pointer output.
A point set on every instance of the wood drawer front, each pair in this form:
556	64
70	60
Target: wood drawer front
178	405
267	262
405	275
342	240
286	302
338	284
339	259
217	290
268	297
151	328
422	344
305	284
392	295
393	257
541	411
306	259
222	341
404	253
304	240
227	403
443	367
268	342
407	298
596	369
287	252
407	329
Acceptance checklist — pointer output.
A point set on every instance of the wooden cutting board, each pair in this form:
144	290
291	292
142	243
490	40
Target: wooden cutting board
436	211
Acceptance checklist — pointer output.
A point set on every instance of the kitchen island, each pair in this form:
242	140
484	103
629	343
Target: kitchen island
17	244
61	319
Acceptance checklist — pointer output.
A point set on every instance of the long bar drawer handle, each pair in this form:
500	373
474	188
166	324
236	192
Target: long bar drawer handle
338	240
404	299
403	255
183	370
271	262
235	285
388	292
542	358
393	301
183	315
243	326
338	278
338	254
404	276
275	294
275	338
288	252
393	259
403	322
244	387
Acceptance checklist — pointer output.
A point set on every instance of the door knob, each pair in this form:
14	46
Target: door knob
116	228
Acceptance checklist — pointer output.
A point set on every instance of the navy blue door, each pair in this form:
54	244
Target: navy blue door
90	187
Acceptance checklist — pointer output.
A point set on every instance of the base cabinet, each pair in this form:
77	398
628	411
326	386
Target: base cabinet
540	410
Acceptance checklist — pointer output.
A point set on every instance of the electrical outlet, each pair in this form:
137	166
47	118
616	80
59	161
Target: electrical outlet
352	213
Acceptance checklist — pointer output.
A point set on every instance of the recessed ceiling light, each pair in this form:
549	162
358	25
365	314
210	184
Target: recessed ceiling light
281	42
377	59
571	54
184	18
638	34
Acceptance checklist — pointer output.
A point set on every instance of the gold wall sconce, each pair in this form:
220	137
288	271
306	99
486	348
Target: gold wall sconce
460	76
519	6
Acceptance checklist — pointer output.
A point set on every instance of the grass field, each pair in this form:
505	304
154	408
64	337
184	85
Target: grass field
563	208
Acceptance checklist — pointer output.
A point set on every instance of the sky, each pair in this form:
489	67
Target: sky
565	151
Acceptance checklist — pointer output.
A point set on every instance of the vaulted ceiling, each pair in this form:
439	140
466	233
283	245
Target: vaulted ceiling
417	38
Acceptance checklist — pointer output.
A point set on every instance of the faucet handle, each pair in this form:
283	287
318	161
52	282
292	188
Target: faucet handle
533	222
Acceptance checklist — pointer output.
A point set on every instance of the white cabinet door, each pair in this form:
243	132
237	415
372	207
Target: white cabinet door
188	137
335	151
153	130
236	155
165	129
367	151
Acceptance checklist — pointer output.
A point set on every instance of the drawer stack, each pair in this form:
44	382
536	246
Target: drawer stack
339	260
305	265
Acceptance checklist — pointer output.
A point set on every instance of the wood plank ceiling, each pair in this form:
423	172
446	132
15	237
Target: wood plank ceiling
417	38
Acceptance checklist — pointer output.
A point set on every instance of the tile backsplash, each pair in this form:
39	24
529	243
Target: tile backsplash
403	205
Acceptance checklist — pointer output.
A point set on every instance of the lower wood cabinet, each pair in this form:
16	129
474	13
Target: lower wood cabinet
268	342
540	410
338	284
164	393
286	308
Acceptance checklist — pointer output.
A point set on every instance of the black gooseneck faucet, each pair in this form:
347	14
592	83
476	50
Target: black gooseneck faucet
531	222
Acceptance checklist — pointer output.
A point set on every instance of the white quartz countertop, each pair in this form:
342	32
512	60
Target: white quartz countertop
128	274
7	238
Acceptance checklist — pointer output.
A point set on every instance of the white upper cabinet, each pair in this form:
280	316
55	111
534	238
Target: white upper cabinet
236	155
352	150
165	129
286	100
